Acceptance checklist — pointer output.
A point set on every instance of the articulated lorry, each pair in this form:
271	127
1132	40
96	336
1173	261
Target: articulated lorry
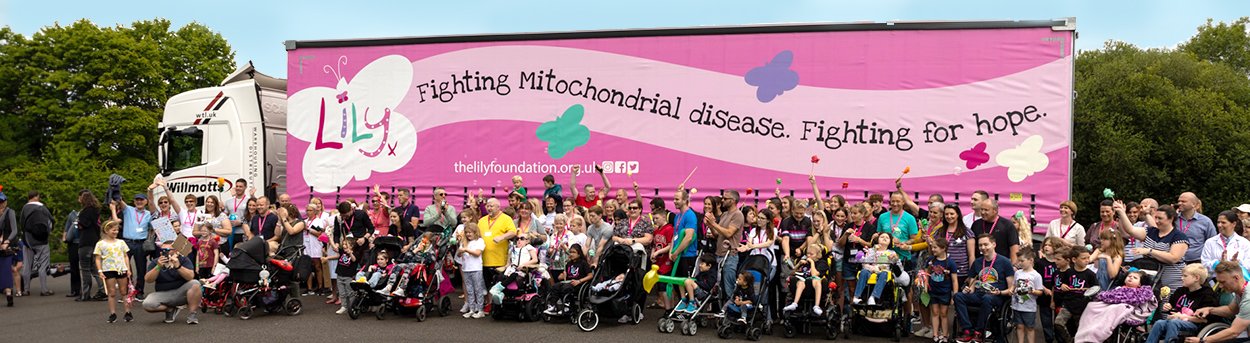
950	107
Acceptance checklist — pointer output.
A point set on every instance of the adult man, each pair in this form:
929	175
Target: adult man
408	210
686	235
728	229
236	208
977	197
36	224
1228	274
352	224
899	224
590	197
136	223
598	233
912	207
1197	227
175	286
262	225
284	200
1007	240
987	291
1228	245
497	230
440	215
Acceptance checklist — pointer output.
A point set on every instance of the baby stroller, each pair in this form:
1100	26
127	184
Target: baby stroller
216	299
690	322
428	287
366	297
886	315
758	321
804	318
261	281
627	299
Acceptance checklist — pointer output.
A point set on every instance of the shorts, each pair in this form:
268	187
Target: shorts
942	298
1028	319
113	275
686	266
170	298
699	293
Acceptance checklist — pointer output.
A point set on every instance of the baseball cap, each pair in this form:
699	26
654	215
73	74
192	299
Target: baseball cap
141	196
1243	208
3	197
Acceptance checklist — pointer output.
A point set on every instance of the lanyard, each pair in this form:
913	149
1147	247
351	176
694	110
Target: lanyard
261	227
189	218
237	202
894	223
986	263
1180	224
1224	242
139	216
991	232
490	222
631	226
859	231
1069	229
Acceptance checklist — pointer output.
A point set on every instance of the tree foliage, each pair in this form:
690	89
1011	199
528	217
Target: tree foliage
81	102
1157	122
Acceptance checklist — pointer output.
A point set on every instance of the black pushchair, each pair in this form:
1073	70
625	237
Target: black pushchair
261	281
626	300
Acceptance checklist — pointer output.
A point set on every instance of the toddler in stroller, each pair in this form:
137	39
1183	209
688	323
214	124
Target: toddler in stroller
810	270
255	284
618	261
745	310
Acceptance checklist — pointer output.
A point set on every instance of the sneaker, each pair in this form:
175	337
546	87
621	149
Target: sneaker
926	334
742	320
921	332
192	319
817	310
465	309
720	314
478	315
208	285
331	296
692	306
399	293
965	337
385	290
978	338
872	301
171	315
128	317
469	314
790	307
112	317
855	300
341	310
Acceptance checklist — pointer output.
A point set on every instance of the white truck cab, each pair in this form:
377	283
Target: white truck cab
210	137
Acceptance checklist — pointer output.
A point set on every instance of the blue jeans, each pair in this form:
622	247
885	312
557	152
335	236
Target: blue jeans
141	263
862	283
729	274
985	302
1169	329
732	310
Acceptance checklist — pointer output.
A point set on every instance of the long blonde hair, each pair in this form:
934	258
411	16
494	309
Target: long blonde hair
1025	230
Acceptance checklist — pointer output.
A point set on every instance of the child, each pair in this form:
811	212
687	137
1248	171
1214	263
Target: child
1024	296
110	260
7	255
700	286
1108	257
470	252
420	253
578	230
522	258
552	188
518	186
663	237
610	285
942	283
877	261
348	261
1177	314
743	298
811	268
207	244
1071	288
576	273
1109	311
1048	266
375	272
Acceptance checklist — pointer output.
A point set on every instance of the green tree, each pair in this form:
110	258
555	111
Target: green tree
1156	122
1227	43
81	102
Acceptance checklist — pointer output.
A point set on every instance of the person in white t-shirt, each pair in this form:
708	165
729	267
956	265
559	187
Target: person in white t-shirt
470	253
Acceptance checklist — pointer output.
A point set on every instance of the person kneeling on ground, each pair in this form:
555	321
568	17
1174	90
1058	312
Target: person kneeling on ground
176	286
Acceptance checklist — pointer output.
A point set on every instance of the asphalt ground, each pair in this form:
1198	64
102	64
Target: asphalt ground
59	319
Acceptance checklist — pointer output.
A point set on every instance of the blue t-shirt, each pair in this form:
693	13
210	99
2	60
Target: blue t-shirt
687	220
941	275
135	223
902	227
992	273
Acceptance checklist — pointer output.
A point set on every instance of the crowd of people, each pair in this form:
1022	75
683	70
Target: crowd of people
1143	263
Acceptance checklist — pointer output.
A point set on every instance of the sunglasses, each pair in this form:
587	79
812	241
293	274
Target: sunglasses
440	194
634	208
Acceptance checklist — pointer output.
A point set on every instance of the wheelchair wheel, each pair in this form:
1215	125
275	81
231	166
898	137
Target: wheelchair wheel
1211	329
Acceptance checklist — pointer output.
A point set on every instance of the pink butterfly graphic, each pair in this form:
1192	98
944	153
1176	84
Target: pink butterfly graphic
975	156
342	97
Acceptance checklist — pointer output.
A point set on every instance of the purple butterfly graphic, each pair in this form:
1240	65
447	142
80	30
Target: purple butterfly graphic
975	156
342	97
773	78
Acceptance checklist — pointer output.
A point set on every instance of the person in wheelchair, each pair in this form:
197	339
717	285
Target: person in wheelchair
1177	315
1229	275
986	291
1130	304
811	271
877	262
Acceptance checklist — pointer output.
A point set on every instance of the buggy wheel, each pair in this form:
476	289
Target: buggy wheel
421	313
380	313
496	312
229	310
692	328
292	306
898	331
789	331
637	314
753	334
667	325
533	312
702	322
724	331
245	313
444	306
587	320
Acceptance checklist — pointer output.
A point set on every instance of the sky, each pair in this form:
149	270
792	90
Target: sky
257	29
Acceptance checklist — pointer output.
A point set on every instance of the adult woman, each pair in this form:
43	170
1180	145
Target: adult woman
609	208
1066	227
190	216
526	221
1106	215
292	229
218	221
1163	244
315	223
88	235
958	236
379	213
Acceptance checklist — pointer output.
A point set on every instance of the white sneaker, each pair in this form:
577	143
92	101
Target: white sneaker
478	315
790	307
856	300
872	301
465	309
341	310
469	314
817	310
921	332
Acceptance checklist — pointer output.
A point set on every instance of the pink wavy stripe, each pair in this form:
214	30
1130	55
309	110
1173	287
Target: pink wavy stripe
868	60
